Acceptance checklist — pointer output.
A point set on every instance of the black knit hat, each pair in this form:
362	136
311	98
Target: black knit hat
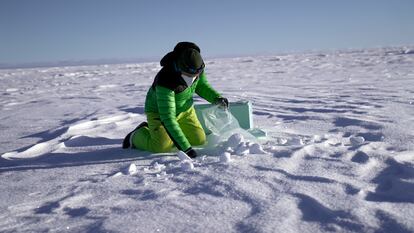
186	56
190	61
181	46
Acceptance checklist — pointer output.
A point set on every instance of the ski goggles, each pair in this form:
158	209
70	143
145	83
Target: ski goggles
190	70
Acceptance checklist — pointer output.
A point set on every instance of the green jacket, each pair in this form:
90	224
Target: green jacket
169	96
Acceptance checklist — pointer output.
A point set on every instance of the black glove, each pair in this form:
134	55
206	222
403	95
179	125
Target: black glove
222	102
191	153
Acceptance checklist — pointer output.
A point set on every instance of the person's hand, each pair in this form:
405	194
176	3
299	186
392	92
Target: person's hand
191	153
222	102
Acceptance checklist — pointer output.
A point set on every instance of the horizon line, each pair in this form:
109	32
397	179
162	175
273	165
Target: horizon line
116	61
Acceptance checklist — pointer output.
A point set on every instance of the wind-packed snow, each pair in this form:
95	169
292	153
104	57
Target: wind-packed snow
339	156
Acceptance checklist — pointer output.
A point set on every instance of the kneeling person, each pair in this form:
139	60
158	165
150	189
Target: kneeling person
171	117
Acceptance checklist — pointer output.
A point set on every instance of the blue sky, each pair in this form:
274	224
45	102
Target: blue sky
55	30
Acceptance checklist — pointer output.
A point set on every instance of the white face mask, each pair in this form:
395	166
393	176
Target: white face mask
188	79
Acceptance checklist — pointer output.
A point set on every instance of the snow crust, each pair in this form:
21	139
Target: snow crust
339	156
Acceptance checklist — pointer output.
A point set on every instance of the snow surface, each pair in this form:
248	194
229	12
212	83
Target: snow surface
339	156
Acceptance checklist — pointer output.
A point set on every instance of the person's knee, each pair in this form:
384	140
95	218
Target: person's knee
198	139
162	146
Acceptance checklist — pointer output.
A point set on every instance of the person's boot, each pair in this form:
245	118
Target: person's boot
127	143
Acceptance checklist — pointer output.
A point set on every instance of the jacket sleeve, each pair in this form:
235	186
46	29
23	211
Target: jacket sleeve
204	89
167	111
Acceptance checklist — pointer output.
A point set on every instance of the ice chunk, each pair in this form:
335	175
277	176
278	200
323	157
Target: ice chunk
201	158
225	157
229	149
242	149
117	174
12	89
356	140
235	140
316	138
187	165
296	142
256	148
132	169
249	144
282	141
183	156
158	167
333	142
409	51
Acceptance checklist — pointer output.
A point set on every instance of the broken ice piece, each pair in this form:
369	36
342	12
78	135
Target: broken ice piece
333	142
296	142
273	148
249	144
225	157
117	174
242	149
158	167
183	156
235	140
201	158
316	138
282	141
356	140
187	165
132	169
229	149
256	148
